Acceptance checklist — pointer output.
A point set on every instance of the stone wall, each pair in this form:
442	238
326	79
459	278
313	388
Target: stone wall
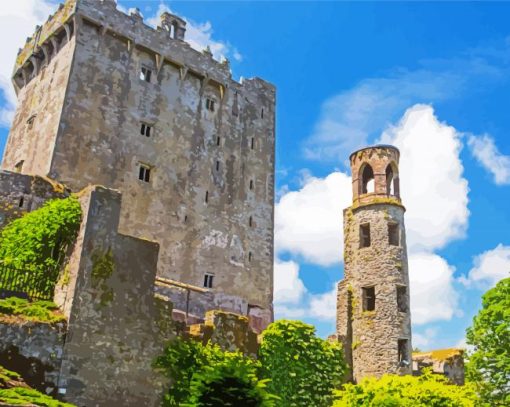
209	200
447	362
25	193
33	349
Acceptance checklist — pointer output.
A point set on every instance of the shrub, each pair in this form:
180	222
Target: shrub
204	374
427	390
489	363
40	311
24	396
304	370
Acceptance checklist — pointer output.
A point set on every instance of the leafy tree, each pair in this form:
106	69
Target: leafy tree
304	369
204	374
489	363
427	390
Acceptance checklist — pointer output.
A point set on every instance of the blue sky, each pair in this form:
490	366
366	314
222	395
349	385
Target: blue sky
433	78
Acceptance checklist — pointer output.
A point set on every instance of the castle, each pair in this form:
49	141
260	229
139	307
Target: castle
104	99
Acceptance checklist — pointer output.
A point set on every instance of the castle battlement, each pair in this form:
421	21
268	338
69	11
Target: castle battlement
166	44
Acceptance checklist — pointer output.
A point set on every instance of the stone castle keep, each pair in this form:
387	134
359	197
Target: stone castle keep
373	313
105	99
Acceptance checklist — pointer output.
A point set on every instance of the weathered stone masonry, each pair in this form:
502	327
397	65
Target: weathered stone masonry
92	79
373	315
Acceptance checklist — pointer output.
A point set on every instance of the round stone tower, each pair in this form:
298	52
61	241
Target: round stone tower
373	317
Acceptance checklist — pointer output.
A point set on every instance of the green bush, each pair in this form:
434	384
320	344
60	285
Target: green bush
205	374
489	363
40	311
304	370
25	396
427	390
37	239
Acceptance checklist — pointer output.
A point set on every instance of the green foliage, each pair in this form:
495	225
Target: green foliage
37	241
489	364
23	396
7	375
40	311
204	375
427	390
304	370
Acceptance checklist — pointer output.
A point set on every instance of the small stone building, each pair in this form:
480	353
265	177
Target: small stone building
373	314
447	362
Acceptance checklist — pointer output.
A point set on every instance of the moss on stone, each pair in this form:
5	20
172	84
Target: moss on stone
38	311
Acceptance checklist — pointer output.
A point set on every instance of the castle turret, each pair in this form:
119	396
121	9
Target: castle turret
373	316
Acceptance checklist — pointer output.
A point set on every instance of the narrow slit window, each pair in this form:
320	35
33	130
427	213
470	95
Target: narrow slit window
368	298
252	143
262	113
206	196
403	351
145	74
30	122
209	104
250	256
393	234
146	130
250	221
217	165
144	173
402	298
364	235
251	184
21	202
208	280
218	140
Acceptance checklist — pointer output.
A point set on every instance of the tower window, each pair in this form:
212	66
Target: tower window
145	74
19	166
250	256
250	221
218	140
21	202
368	298
403	351
262	113
251	184
364	235
393	234
145	130
252	143
208	280
144	174
209	104
217	165
30	122
367	180
206	196
402	298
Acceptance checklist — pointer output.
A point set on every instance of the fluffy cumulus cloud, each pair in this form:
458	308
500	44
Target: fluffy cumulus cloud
288	287
488	155
432	185
308	222
200	36
489	268
17	22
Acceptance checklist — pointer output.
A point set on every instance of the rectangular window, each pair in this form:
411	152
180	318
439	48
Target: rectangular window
250	221
393	234
144	173
252	143
262	113
145	130
251	184
217	165
218	140
145	74
209	104
206	196
250	256
208	280
364	235
403	352
368	298
402	298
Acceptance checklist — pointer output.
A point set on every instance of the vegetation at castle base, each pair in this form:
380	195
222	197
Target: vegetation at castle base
489	363
205	375
37	241
14	391
304	370
428	390
38	311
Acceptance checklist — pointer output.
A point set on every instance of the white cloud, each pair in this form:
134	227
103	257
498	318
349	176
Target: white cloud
489	268
288	287
308	222
423	341
432	185
199	36
17	22
323	306
433	296
486	152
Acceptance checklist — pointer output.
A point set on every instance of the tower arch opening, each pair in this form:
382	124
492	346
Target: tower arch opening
367	179
392	180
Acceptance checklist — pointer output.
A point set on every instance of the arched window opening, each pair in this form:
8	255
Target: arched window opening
390	187
367	180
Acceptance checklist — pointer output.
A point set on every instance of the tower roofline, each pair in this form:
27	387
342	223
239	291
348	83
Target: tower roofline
375	146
